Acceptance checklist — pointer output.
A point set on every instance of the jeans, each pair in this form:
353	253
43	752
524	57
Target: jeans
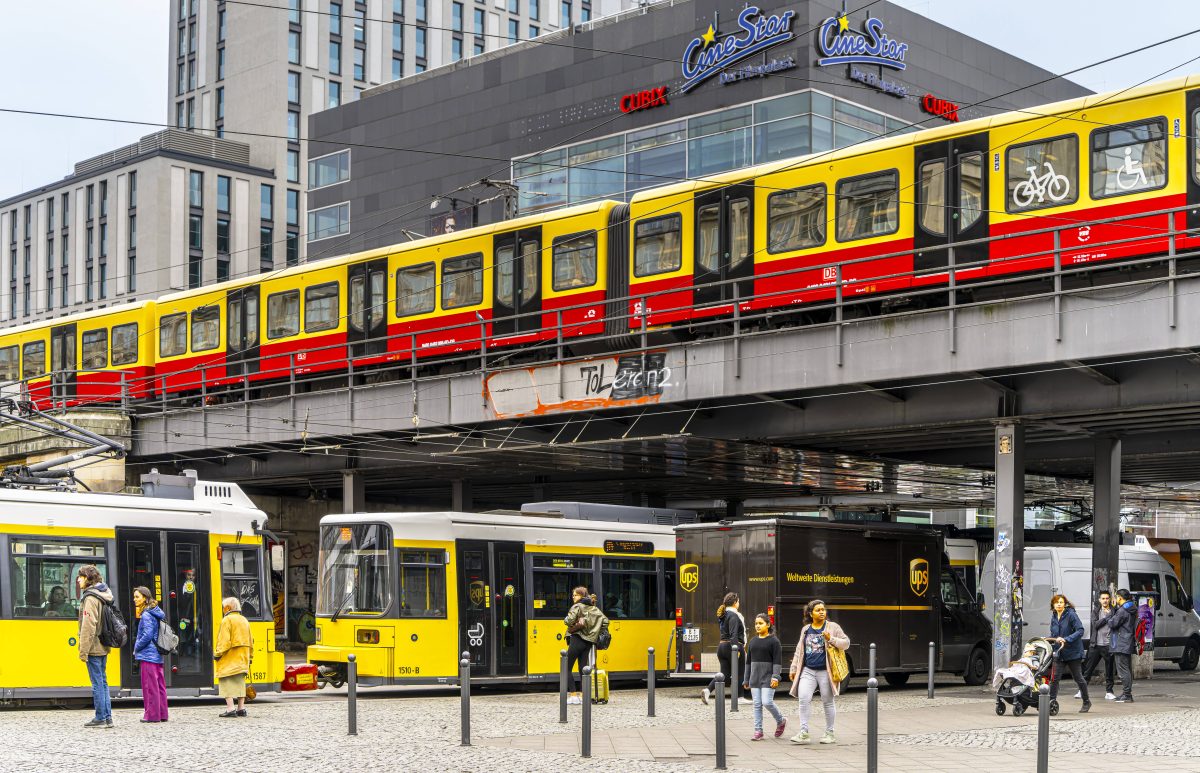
1095	654
810	680
96	665
764	697
1124	665
579	650
1076	673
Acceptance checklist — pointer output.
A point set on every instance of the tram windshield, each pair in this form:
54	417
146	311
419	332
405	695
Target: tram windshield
355	570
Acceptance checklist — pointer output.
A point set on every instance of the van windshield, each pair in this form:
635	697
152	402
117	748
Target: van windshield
355	570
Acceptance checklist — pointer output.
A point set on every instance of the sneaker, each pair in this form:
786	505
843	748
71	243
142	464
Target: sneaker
1079	693
827	738
1124	699
758	736
802	737
1085	707
705	695
94	723
1108	696
780	727
108	723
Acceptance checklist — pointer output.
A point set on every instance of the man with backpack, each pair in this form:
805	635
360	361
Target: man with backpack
95	598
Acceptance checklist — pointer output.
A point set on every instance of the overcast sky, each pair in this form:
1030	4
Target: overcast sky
107	58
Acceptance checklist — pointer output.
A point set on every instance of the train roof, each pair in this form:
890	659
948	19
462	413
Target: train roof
74	317
447	525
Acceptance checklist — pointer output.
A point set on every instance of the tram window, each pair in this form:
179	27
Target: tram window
95	349
531	256
283	314
321	307
796	219
422	583
931	211
43	575
574	261
241	579
1130	158
357	315
10	364
172	335
462	281
708	240
554	577
206	328
355	570
868	206
1042	174
970	189
657	246
33	359
630	588
739	232
415	292
125	344
505	272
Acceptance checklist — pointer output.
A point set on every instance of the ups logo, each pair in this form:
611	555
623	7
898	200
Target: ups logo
918	576
689	577
478	593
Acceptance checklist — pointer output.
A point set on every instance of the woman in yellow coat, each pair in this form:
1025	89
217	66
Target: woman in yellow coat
232	653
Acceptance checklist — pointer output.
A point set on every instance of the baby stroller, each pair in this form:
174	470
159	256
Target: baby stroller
1018	684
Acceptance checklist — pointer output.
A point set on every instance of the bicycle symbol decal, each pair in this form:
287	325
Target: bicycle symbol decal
1132	171
1038	187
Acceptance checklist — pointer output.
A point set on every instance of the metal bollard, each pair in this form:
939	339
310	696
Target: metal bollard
564	678
872	722
464	685
650	681
871	663
720	680
352	691
734	684
585	740
1043	748
932	655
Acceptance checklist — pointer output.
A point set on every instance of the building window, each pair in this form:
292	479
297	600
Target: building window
87	288
293	166
90	247
478	47
266	202
335	93
103	240
420	33
133	232
192	47
196	189
103	281
28	260
293	207
292	255
132	191
220	103
196	232
329	170
293	88
132	274
221	28
103	202
566	15
293	47
360	56
222	193
293	125
293	11
183	4
328	221
514	30
418	68
398	36
266	236
49	292
91	203
335	57
397	68
585	14
335	18
220	64
222	236
533	9
222	268
514	6
65	251
63	292
456	17
479	21
191	75
360	35
422	11
180	79
191	114
179	119
455	49
534	31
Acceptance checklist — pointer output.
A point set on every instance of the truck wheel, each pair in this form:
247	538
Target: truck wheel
977	668
1191	655
896	680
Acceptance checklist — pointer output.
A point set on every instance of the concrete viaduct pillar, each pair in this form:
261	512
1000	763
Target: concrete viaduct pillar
461	500
1010	543
1106	518
354	492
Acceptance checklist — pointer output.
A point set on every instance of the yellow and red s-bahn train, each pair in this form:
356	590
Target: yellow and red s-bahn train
1100	178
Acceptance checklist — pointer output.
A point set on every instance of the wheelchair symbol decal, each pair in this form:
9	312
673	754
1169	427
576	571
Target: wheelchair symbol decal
475	635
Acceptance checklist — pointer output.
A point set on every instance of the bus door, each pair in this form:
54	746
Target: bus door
64	360
366	331
724	244
491	606
241	340
952	202
518	282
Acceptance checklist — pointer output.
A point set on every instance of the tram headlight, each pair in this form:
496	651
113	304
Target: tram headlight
366	636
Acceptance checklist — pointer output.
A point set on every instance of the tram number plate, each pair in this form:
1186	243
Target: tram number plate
691	635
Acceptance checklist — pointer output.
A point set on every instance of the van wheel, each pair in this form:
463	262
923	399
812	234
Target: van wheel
977	668
1191	655
896	680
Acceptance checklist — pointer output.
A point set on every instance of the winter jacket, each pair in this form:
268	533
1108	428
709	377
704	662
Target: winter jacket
837	637
90	610
1121	627
585	619
1100	632
733	627
1070	628
234	646
145	647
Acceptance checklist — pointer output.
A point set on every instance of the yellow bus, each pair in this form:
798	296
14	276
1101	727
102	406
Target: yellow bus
192	545
407	593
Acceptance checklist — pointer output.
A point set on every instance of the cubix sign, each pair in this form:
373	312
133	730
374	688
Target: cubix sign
942	108
643	100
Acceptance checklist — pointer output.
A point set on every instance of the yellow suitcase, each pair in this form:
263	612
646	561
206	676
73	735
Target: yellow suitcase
600	686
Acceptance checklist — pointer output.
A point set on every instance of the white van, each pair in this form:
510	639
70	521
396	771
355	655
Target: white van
1067	569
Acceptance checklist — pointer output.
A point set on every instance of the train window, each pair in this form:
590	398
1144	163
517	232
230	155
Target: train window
10	364
504	275
970	189
574	259
356	576
240	578
422	582
931	197
1196	146
1130	158
95	349
1042	174
125	344
708	240
531	255
172	335
283	314
657	246
415	293
629	588
33	359
321	307
796	219
357	314
462	281
554	577
739	231
206	328
868	206
43	574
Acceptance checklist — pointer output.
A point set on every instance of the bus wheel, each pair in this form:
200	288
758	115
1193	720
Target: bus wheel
977	668
896	680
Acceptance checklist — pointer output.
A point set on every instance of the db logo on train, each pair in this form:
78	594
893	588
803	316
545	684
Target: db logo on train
918	576
689	577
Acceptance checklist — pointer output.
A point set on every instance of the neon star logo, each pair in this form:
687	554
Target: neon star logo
710	36
706	57
843	23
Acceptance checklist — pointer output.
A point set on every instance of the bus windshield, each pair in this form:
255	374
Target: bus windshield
355	570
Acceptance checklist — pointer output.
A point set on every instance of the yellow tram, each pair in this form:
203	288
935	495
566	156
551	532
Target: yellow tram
197	543
407	593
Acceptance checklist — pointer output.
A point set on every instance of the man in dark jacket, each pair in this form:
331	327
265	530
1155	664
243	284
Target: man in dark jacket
1099	647
1122	644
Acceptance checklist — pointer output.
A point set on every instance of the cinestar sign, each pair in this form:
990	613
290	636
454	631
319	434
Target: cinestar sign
705	56
839	45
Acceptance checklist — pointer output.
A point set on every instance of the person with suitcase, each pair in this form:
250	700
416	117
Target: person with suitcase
584	623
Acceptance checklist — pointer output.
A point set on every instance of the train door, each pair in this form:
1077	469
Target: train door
518	282
1193	156
367	329
724	244
241	339
952	202
64	359
492	606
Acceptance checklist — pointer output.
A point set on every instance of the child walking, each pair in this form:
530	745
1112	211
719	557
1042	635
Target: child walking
764	661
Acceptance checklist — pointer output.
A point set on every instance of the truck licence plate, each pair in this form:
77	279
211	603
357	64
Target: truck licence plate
691	635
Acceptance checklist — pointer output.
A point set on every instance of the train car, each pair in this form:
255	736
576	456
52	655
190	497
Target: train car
194	545
407	593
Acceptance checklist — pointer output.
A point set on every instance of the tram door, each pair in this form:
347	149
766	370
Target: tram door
518	282
367	320
64	359
952	202
174	566
491	606
241	340
724	244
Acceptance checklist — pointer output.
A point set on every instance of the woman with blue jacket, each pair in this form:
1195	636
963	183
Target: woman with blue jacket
1066	629
145	651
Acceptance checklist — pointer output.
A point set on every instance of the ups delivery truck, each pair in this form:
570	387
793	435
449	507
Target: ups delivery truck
884	583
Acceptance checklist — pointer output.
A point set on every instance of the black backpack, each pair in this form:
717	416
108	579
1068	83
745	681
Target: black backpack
604	638
114	633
